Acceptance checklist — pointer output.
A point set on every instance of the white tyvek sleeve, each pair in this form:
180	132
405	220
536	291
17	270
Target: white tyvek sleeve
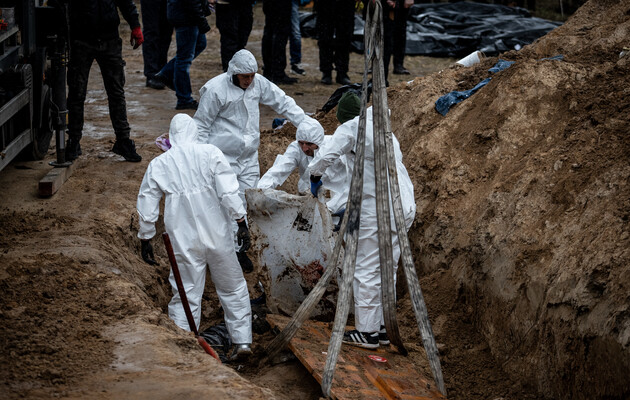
275	98
207	112
281	169
342	142
148	204
226	186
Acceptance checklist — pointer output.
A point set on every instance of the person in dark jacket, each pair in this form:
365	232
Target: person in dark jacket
189	19
94	36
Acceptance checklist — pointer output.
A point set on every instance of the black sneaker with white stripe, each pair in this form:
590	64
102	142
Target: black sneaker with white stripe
383	339
361	339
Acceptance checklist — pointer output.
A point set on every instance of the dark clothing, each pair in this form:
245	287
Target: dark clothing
235	22
275	37
92	20
334	26
108	55
190	43
189	19
189	13
157	33
394	34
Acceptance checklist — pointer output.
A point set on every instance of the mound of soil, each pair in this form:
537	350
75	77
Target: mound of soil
523	205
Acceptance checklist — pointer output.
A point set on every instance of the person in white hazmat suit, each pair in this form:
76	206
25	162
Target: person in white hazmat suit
201	201
228	117
308	138
368	309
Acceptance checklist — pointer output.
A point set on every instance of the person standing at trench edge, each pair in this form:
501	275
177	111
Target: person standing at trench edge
189	19
94	36
157	39
334	25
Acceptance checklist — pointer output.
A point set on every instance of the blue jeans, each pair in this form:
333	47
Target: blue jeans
190	43
295	38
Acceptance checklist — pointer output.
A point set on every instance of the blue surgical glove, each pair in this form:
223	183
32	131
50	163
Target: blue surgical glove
316	183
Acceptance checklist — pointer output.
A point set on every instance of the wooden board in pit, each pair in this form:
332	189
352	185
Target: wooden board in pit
361	373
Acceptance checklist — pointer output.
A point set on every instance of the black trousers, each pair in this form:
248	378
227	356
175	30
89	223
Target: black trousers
108	55
334	26
394	35
157	36
235	22
275	37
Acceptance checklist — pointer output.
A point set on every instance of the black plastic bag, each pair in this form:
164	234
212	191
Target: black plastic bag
218	338
336	96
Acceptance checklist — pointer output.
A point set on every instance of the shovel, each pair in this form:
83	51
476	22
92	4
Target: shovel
182	295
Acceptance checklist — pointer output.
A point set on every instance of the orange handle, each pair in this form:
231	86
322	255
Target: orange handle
207	348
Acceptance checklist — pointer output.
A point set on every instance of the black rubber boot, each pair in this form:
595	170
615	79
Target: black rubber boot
73	149
126	148
343	79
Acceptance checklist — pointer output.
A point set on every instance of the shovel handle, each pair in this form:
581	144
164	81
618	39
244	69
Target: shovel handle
180	285
182	296
207	348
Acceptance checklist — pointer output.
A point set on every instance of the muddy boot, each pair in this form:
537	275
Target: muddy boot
246	263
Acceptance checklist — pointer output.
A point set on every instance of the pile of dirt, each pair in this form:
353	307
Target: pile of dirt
523	206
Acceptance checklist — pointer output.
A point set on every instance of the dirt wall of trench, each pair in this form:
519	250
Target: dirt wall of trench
523	197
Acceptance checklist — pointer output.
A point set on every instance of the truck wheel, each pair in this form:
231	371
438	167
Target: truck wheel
43	133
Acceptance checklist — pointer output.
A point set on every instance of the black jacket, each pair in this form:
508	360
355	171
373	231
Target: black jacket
188	13
92	20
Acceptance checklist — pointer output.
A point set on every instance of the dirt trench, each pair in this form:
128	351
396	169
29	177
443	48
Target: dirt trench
520	240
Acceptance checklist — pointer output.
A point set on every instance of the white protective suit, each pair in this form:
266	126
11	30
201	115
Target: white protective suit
228	116
368	309
336	179
201	201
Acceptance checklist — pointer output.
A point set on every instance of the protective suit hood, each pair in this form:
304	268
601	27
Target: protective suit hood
183	130
310	130
243	62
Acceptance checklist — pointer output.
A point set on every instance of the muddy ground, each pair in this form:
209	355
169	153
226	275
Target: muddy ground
521	237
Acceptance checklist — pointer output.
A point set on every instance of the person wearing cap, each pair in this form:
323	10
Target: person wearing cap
308	139
368	308
228	117
201	201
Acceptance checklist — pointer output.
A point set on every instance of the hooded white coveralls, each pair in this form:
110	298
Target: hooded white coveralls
336	179
368	308
228	116
201	201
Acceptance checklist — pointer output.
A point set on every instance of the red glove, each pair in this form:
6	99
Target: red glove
136	37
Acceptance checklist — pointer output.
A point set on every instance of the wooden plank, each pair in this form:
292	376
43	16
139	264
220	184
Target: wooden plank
53	181
357	376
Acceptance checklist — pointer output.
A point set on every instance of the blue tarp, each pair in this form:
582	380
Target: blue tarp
444	103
